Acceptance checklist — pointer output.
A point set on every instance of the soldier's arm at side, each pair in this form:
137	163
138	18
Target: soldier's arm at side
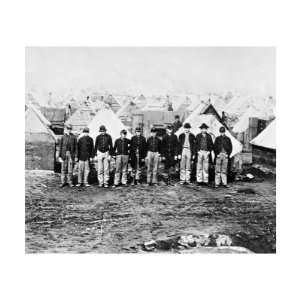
96	147
78	147
60	147
230	147
91	148
114	149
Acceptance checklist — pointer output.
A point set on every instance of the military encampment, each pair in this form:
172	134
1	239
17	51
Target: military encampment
155	162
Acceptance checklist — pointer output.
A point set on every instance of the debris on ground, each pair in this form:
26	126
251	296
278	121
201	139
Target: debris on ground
248	178
188	241
267	170
150	246
246	191
259	172
223	240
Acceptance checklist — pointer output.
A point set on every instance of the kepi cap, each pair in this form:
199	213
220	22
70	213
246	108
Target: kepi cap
222	129
102	128
86	129
203	126
187	125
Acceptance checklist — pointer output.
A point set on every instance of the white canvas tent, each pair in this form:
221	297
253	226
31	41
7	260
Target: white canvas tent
81	118
197	110
36	126
126	109
39	142
240	104
108	118
214	126
267	138
40	115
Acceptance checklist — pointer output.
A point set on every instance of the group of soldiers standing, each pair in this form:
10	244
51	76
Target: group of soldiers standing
138	150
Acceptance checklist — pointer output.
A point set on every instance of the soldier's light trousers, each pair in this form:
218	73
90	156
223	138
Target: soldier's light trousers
202	166
185	165
121	169
221	169
67	169
83	172
103	167
152	166
136	168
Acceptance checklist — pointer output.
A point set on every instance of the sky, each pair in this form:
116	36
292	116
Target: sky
157	71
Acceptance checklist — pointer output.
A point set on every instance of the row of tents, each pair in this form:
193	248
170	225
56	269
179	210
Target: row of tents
39	132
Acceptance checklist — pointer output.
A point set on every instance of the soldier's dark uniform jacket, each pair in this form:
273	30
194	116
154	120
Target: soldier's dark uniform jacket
85	148
103	144
181	141
68	143
222	143
201	144
138	146
169	148
122	146
154	144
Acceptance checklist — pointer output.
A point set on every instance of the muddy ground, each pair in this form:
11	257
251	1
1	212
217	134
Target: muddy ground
85	220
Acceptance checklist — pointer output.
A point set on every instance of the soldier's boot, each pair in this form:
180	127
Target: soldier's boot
168	180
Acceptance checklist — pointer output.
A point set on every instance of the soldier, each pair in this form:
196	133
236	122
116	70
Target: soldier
67	155
85	147
103	151
186	153
153	155
222	149
169	148
121	151
203	147
138	152
177	124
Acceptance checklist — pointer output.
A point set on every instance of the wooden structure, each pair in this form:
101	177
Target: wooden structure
57	118
157	119
264	146
255	127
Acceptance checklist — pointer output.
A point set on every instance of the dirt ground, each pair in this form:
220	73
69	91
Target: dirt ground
87	220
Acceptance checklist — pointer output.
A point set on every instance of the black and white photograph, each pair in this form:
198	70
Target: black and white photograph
150	150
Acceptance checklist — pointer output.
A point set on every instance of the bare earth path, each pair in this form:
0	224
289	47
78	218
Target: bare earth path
81	220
